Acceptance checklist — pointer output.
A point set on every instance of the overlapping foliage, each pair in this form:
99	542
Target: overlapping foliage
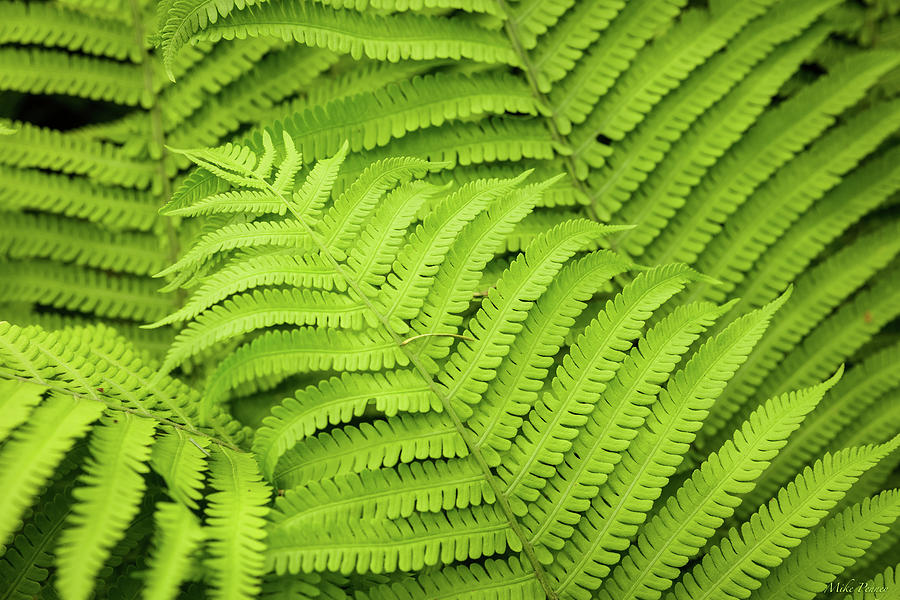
486	299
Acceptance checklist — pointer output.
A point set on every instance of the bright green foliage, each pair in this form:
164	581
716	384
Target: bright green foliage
450	443
480	299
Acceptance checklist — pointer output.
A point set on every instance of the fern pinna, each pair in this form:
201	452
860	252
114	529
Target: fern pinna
506	448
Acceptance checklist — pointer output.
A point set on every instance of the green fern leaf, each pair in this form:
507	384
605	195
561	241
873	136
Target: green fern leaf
763	542
28	459
113	486
178	535
234	524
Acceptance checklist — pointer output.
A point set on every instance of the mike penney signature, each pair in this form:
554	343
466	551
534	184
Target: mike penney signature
850	586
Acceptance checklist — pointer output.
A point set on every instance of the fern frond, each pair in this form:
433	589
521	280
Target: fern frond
283	353
521	373
421	487
178	535
598	70
671	58
344	222
774	139
569	37
243	273
114	208
29	458
284	234
383	546
180	460
43	148
885	580
405	290
853	396
748	555
818	291
260	309
856	195
183	18
611	424
113	486
388	37
839	336
336	401
26	562
54	26
649	143
590	364
660	197
372	254
370	445
82	289
509	578
822	556
235	524
17	400
653	456
456	282
50	237
820	167
700	505
467	371
38	71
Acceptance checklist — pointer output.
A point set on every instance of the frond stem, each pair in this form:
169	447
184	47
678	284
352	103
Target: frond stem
512	32
158	135
424	335
144	413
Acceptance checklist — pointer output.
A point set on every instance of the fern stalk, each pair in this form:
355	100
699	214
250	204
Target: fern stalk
7	374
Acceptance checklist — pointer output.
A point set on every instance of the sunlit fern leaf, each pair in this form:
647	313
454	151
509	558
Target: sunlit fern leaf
352	33
491	331
184	17
615	514
748	554
590	364
821	557
870	590
112	487
179	458
853	396
383	546
777	136
234	524
338	401
493	579
370	445
612	425
27	561
178	534
701	504
17	400
407	288
34	450
455	285
519	376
